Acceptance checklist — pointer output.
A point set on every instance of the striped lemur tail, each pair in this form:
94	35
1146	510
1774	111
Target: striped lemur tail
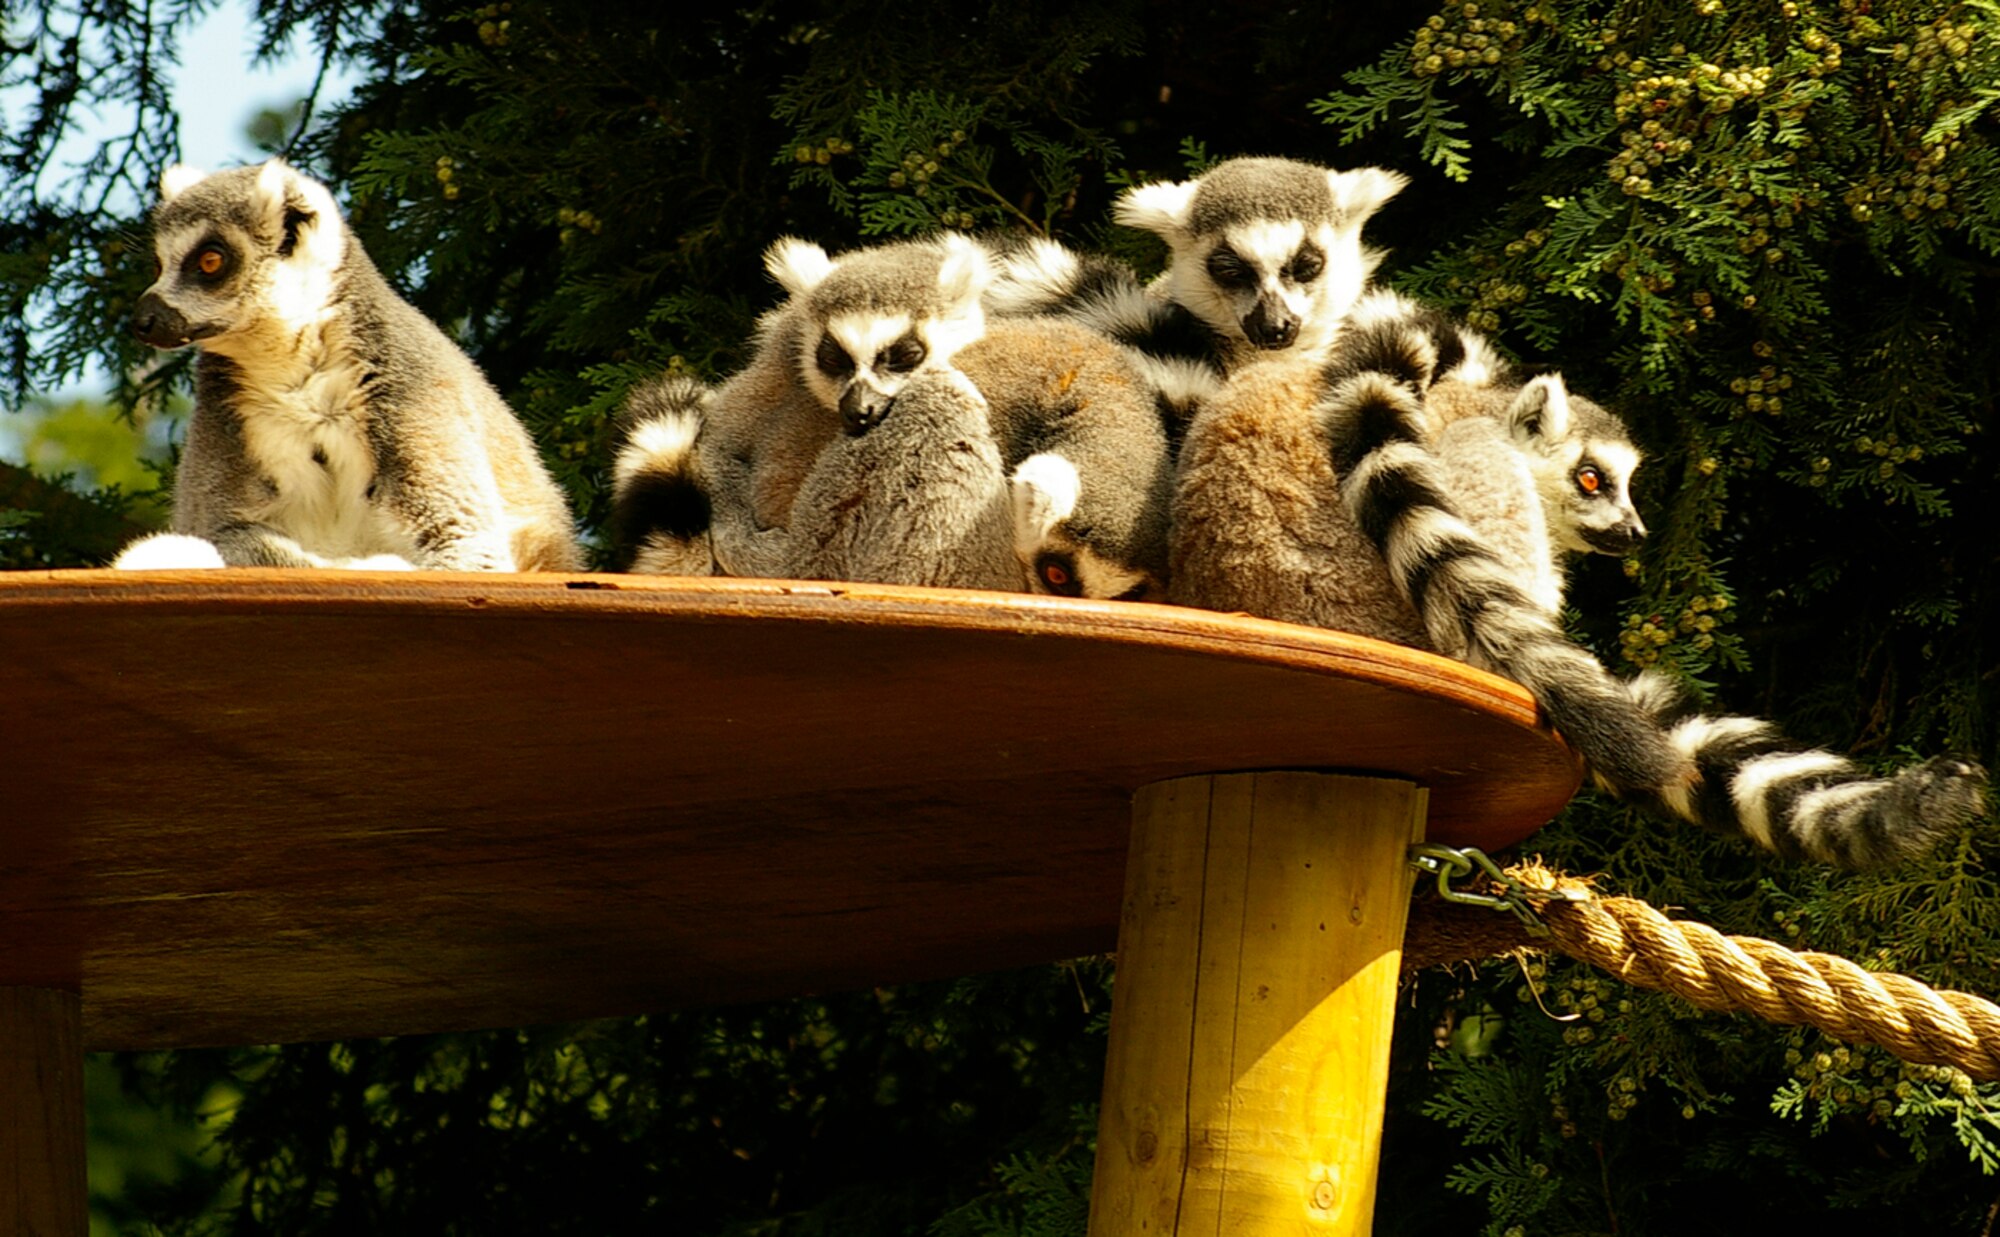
660	502
1803	803
1641	740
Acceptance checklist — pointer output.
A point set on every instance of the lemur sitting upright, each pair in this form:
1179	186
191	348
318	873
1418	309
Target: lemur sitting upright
334	425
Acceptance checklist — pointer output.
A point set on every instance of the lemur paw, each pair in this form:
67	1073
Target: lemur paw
168	552
378	562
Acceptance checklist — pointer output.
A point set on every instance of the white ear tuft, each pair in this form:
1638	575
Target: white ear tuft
1360	192
1044	490
1540	410
303	212
272	179
965	272
798	266
178	179
1160	208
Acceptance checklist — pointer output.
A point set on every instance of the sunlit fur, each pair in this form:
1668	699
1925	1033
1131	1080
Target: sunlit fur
1268	215
919	499
1049	386
865	303
660	507
1473	503
334	425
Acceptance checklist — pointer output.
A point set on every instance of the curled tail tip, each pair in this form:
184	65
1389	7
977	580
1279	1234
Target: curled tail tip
1882	822
666	395
1947	794
661	507
660	421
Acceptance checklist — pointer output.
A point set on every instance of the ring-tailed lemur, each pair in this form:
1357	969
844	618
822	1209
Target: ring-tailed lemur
1088	465
1265	257
1437	522
334	425
828	362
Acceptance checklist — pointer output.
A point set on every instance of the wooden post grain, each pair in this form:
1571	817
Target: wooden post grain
42	1190
1257	963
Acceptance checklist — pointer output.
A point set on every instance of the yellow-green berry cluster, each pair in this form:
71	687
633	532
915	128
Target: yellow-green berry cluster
495	29
1591	997
1923	186
919	166
447	176
1889	451
1646	635
573	221
1492	296
1533	238
1470	36
823	153
1872	1080
1761	392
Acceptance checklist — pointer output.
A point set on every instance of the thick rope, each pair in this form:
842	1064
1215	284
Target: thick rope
1740	974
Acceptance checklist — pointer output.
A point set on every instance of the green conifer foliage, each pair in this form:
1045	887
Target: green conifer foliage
1767	233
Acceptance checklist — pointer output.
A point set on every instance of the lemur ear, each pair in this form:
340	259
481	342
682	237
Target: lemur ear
798	266
1540	410
965	272
1360	192
303	212
178	179
1043	492
1160	208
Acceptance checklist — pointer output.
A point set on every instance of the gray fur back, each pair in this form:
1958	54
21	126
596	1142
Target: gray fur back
919	499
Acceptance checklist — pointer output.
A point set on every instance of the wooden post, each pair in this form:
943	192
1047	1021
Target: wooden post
42	1188
1250	1021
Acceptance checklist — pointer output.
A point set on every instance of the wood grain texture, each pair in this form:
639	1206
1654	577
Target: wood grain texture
248	805
42	1187
1250	1024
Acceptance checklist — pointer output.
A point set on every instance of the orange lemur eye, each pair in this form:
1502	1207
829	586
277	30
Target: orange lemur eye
210	262
1059	575
1588	479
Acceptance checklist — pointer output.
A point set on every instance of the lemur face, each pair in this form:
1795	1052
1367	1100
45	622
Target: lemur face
861	361
236	250
1267	252
1043	492
1583	464
880	316
1263	282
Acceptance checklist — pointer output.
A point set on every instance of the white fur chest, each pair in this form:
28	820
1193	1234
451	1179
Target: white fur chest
306	431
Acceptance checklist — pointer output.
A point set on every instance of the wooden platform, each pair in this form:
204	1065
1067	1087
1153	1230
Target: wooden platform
252	806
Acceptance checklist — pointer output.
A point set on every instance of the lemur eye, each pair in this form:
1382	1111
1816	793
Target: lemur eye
1305	266
1588	479
210	261
831	357
1230	271
905	354
1059	574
